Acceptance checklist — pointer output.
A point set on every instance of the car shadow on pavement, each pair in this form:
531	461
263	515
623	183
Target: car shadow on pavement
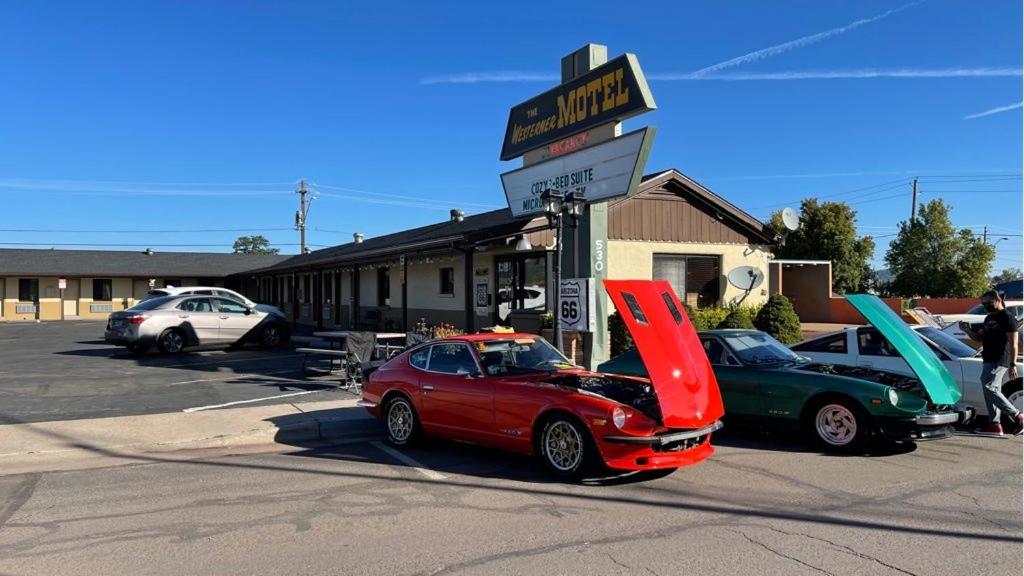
752	438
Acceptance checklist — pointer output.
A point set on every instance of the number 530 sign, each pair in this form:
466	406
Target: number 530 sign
576	305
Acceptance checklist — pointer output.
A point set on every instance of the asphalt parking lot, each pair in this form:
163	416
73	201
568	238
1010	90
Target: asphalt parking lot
758	506
64	370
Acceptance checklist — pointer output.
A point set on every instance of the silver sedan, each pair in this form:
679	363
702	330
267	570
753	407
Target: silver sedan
174	322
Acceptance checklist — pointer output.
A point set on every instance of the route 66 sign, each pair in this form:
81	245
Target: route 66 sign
576	305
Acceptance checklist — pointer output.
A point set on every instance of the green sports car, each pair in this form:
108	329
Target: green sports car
839	407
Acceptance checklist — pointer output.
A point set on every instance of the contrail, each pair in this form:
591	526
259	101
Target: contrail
994	111
844	74
799	42
478	77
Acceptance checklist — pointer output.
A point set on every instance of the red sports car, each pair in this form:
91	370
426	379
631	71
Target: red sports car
517	392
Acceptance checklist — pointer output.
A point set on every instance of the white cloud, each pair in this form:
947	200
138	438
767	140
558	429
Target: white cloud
994	111
798	43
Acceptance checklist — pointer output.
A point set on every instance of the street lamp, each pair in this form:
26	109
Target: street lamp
555	206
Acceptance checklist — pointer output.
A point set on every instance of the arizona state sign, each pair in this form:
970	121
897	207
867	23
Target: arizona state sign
611	92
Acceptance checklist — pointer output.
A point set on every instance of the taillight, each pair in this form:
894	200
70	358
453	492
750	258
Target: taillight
138	319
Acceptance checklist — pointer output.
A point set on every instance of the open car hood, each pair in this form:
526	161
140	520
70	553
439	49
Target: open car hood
677	366
937	381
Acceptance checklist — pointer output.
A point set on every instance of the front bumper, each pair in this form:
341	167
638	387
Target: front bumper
927	426
668	450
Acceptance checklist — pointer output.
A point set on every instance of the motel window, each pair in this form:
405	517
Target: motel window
384	286
175	282
447	276
102	289
696	279
28	289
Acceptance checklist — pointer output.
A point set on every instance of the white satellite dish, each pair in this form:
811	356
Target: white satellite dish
790	219
746	277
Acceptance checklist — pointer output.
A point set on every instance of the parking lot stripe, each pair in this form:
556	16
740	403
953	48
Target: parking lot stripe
246	359
230	377
213	406
432	474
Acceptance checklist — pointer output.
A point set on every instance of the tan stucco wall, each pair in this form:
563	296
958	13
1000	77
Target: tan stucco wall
635	260
125	292
424	285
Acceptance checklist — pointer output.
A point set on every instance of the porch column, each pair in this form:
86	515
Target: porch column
467	283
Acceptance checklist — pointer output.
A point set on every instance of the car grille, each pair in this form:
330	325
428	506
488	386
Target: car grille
680	445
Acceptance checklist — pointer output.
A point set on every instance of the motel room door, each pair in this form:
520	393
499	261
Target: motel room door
71	294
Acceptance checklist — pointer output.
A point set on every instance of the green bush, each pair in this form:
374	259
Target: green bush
739	317
778	318
621	339
707	318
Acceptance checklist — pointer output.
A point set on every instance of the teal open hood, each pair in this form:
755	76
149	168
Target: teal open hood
937	381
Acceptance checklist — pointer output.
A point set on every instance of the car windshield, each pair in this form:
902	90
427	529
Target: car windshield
154	294
979	309
152	303
947	343
760	348
520	354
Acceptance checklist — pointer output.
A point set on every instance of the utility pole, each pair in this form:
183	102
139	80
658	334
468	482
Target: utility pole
300	215
984	235
913	204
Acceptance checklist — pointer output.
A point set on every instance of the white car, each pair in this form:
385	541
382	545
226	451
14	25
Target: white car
975	315
864	346
209	291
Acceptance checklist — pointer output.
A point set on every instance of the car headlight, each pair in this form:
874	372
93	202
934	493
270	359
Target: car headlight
894	396
619	417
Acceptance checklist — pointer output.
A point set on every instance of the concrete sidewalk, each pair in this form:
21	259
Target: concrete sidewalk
100	442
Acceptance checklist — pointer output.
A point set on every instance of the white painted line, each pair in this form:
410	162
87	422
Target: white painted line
246	359
432	474
212	406
237	376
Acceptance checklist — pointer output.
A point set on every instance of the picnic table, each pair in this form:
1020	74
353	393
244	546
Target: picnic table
336	340
353	351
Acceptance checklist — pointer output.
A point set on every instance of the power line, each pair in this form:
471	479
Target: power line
125	231
134	245
891	185
397	196
970	192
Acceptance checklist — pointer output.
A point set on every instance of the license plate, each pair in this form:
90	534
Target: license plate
116	323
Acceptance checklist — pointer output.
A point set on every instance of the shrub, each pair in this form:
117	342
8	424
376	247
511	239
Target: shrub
618	334
779	319
739	317
706	318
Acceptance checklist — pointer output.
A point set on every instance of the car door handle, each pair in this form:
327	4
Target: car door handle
223	317
427	387
182	315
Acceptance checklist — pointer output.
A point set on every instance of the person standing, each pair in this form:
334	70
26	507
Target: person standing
999	349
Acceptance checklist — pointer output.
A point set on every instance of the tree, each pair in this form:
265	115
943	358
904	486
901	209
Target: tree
778	318
930	258
828	231
253	245
1007	275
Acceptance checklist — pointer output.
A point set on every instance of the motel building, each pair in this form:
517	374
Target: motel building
493	269
90	284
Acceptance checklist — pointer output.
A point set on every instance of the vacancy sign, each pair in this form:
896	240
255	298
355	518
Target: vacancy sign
602	171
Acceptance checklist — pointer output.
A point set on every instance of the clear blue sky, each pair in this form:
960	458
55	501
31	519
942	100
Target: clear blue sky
203	115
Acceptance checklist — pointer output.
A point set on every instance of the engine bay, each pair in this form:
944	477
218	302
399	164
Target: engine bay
901	382
638	395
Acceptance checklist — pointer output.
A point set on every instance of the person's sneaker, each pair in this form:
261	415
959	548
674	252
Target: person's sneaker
990	429
1018	425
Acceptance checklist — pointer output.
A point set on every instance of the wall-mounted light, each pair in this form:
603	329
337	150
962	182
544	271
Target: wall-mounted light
523	244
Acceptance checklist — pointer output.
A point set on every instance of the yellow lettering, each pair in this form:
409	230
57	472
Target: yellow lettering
566	112
622	94
608	80
581	103
592	87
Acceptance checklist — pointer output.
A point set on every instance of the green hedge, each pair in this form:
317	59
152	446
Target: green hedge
701	318
779	319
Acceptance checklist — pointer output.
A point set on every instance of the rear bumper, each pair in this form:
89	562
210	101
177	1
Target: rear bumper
670	450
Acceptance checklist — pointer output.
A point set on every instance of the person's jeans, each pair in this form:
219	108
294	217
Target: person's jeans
993	376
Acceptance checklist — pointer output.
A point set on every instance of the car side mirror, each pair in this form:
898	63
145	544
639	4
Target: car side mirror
248	311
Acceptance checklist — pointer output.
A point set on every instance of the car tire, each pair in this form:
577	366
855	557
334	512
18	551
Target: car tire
838	425
272	336
1013	393
565	446
401	422
171	341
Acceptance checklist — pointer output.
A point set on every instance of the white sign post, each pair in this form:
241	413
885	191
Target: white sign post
576	305
602	171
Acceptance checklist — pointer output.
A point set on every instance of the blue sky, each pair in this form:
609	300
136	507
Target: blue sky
187	116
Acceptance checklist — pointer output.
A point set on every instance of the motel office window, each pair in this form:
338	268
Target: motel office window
696	279
28	289
102	289
447	276
384	286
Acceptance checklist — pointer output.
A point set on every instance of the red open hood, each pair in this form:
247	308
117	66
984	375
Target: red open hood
676	363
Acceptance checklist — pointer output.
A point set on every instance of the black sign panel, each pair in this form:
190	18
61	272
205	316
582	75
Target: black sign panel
611	92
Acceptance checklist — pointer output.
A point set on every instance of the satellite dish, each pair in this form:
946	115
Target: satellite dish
746	277
790	219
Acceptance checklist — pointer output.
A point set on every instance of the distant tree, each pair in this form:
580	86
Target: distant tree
1007	275
828	231
778	318
253	245
930	258
739	317
621	339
